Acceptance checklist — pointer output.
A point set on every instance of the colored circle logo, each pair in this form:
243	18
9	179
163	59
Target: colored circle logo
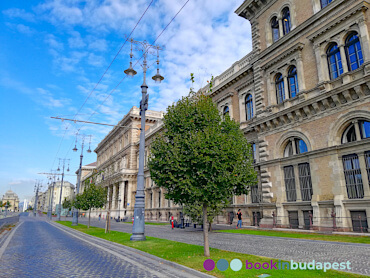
236	265
209	265
222	265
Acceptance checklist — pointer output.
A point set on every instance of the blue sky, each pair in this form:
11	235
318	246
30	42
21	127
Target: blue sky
53	53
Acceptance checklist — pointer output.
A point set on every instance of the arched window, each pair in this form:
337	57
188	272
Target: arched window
286	21
354	52
249	106
279	84
293	82
324	3
349	135
226	110
275	29
334	61
295	146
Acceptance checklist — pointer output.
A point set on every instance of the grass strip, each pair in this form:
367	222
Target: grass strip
192	255
313	236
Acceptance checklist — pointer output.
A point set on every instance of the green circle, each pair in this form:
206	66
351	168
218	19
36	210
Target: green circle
236	264
222	265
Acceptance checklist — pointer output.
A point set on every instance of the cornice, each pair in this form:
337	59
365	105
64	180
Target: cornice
297	47
228	95
363	6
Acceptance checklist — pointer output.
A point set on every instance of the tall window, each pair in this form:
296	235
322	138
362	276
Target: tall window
275	29
279	84
295	146
293	82
352	174
286	21
354	52
159	198
324	3
305	181
291	194
367	162
249	106
226	110
334	61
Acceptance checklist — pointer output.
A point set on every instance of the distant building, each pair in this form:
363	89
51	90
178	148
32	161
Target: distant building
13	199
25	204
53	193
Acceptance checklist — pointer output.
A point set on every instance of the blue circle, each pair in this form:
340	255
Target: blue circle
236	265
222	265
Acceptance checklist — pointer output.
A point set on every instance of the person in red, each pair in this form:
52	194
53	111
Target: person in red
172	224
239	214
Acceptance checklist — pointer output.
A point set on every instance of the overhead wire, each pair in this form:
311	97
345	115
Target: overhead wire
101	78
137	62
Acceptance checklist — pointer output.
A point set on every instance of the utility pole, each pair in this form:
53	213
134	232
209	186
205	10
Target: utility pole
75	210
38	186
138	229
61	185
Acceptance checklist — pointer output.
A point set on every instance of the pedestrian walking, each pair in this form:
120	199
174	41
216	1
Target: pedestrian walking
99	216
239	214
172	224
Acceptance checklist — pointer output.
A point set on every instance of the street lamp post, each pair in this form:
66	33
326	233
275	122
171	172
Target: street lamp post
50	210
37	188
75	210
138	229
61	187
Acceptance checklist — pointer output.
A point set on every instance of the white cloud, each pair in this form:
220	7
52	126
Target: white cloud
19	13
21	28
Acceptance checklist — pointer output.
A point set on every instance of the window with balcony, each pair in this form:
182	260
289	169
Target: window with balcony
293	82
334	61
275	29
249	106
287	26
354	52
279	85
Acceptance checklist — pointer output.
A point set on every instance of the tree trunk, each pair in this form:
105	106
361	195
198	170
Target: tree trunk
106	222
205	232
210	227
88	226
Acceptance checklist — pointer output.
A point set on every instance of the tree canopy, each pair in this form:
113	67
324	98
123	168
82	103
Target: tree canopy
201	158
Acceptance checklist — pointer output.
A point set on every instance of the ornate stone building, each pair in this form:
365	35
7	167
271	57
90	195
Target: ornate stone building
117	162
302	98
13	200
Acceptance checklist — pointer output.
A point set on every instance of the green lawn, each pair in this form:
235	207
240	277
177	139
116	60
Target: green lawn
313	236
192	255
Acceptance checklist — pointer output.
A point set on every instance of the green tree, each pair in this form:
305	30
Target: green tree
67	204
195	211
92	197
200	158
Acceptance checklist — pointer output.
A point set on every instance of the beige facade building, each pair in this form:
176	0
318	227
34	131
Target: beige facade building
117	162
13	200
302	97
54	193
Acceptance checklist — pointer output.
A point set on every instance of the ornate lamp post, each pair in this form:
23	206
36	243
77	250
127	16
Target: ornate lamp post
138	229
75	210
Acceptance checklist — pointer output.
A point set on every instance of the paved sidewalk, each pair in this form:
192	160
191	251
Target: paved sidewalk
38	248
301	250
